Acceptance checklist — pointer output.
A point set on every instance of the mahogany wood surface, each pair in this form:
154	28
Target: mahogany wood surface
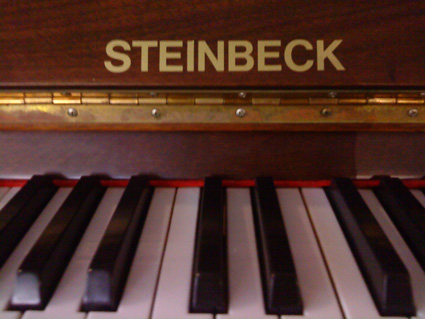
54	43
194	155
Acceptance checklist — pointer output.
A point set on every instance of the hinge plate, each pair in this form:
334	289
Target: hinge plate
203	110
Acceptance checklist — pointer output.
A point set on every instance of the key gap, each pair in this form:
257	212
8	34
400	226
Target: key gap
322	253
162	255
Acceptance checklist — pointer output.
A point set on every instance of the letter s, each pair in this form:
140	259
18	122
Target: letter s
124	58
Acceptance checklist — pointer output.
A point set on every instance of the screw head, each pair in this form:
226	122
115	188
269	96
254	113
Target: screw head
422	94
326	112
72	112
332	94
156	113
240	112
413	112
242	95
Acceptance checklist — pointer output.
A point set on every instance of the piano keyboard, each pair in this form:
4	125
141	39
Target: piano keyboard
88	251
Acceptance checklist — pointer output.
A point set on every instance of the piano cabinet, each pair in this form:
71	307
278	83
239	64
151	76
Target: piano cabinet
194	155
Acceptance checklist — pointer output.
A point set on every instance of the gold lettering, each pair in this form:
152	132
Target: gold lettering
165	55
124	58
288	55
323	54
144	52
245	55
190	56
216	61
240	55
263	55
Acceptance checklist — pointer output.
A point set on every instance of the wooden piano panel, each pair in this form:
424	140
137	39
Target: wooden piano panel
62	43
188	155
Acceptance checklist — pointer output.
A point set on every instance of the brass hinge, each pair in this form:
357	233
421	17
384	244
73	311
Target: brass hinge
229	110
213	98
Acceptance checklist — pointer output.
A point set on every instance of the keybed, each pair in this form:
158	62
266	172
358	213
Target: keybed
170	251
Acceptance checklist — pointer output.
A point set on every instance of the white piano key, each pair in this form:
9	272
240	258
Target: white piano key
417	275
246	296
319	299
9	269
6	197
3	191
66	300
136	302
173	292
352	291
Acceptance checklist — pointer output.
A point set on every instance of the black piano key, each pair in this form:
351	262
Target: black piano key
384	273
110	266
43	267
209	279
279	279
21	211
407	214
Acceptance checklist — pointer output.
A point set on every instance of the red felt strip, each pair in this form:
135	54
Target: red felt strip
365	183
12	182
360	183
414	183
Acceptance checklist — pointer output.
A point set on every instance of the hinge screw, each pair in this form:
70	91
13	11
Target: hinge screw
240	112
333	94
326	112
156	113
242	95
413	112
72	112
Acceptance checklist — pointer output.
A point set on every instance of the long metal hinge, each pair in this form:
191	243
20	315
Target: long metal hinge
212	98
204	110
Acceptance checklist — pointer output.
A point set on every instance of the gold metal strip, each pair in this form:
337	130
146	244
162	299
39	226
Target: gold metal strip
67	98
181	99
297	101
381	100
95	114
209	100
40	97
405	100
213	98
265	101
352	101
95	98
11	98
152	98
120	98
323	101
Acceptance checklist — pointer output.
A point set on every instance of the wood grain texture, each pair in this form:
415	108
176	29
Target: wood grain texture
62	43
194	155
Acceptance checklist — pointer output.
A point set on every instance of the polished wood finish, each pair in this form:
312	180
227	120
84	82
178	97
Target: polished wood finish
186	155
62	43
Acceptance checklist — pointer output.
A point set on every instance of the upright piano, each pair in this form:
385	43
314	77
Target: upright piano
212	159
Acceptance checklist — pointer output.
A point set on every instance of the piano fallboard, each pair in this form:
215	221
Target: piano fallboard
288	44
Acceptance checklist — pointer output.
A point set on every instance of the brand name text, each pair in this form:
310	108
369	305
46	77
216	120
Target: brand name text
298	55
